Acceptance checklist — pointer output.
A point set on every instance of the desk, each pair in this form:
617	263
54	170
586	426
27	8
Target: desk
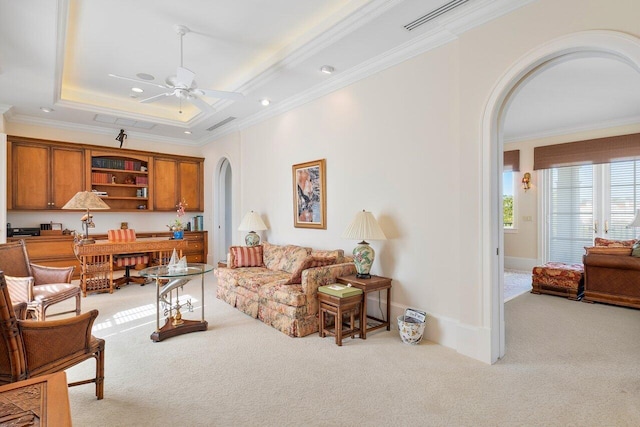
39	401
375	283
96	260
175	280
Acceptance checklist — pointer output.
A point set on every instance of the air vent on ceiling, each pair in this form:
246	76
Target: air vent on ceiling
434	14
222	123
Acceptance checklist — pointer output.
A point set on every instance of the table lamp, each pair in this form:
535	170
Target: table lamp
364	226
636	220
252	222
86	200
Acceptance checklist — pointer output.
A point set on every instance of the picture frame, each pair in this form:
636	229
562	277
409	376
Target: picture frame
56	226
310	195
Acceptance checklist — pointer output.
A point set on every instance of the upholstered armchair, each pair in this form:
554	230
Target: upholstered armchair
39	286
33	348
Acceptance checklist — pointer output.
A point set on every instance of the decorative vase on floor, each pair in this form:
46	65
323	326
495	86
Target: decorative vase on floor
178	234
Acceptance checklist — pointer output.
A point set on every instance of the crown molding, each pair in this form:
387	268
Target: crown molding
447	30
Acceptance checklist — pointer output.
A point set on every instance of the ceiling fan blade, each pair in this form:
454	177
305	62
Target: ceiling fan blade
201	104
185	77
220	94
137	81
156	97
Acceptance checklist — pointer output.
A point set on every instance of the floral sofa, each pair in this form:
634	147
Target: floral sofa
278	284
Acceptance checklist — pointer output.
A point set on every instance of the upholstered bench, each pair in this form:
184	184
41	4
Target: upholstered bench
556	278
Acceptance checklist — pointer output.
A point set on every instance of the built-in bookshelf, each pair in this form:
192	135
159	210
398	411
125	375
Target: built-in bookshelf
121	181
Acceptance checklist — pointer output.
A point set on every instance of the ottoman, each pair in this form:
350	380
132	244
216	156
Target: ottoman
556	278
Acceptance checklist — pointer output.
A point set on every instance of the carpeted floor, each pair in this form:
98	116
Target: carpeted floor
567	363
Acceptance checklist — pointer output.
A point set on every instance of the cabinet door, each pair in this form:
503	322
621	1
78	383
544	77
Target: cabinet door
30	176
165	184
190	180
67	175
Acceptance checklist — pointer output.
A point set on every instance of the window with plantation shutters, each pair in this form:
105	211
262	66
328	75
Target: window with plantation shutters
584	202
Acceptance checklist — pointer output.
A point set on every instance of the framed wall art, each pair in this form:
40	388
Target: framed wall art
309	195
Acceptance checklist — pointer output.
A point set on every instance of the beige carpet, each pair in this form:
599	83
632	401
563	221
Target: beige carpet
567	363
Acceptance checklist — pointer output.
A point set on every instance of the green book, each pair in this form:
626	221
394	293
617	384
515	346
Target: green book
340	291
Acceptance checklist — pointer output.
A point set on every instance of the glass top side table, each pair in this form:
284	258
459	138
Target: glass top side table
168	285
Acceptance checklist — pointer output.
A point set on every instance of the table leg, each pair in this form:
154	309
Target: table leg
338	326
364	316
157	304
202	290
388	309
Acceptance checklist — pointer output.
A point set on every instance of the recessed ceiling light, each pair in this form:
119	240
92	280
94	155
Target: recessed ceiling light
188	132
327	69
137	90
145	76
46	110
265	102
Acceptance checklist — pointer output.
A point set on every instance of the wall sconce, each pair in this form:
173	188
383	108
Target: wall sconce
526	181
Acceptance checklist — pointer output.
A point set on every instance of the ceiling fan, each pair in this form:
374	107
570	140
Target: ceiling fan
183	86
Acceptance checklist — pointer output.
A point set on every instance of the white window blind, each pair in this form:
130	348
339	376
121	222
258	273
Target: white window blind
570	204
624	180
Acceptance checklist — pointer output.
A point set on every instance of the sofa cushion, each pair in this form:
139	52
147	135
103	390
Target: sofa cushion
286	258
286	294
608	250
599	241
246	256
337	253
311	262
251	278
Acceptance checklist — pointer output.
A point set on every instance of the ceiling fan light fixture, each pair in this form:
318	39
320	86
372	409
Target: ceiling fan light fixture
188	132
327	69
137	90
265	102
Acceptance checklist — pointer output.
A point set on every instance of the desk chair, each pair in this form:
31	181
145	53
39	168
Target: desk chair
127	260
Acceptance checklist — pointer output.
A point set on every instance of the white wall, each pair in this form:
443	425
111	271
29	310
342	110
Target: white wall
406	145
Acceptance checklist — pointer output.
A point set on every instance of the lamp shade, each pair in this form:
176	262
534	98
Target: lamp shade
252	222
364	227
86	200
636	220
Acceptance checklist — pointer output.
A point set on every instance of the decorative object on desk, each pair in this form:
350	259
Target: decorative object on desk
252	222
411	325
124	225
364	226
177	226
86	200
176	265
309	195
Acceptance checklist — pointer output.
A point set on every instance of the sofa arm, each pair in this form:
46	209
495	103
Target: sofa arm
313	278
623	262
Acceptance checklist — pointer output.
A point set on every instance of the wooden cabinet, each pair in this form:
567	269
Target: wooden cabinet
178	180
43	176
57	251
122	181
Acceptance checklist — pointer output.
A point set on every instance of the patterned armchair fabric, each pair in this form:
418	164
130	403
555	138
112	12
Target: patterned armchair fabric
267	293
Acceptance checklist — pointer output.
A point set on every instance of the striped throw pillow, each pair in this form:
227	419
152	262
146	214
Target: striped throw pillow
246	256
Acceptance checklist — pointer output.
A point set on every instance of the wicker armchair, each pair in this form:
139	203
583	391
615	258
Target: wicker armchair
38	286
34	348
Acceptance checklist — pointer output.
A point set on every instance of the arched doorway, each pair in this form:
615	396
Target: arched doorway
223	199
609	43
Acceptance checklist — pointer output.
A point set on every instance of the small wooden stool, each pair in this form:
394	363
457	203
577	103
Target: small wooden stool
337	307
